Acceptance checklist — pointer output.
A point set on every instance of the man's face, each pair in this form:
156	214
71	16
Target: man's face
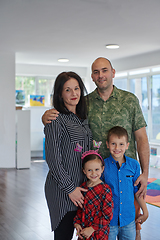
102	74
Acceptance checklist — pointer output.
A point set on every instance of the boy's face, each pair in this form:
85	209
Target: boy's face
117	146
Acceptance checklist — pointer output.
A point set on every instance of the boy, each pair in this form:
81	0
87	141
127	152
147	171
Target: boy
120	174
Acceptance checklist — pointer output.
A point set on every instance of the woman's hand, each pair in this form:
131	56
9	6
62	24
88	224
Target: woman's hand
77	197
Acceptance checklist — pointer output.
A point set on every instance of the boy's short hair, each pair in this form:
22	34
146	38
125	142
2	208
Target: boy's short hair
118	131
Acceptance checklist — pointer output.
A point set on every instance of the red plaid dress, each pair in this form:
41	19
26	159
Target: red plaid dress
97	210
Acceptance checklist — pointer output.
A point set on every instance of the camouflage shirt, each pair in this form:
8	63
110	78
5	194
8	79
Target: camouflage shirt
121	109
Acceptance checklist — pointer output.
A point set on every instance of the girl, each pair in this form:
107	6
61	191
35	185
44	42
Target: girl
92	221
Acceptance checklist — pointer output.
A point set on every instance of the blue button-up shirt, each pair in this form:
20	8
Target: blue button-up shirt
122	182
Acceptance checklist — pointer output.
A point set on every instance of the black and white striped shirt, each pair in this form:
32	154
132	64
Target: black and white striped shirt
65	164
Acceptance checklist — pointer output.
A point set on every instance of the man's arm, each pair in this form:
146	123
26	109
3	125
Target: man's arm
143	153
49	115
142	217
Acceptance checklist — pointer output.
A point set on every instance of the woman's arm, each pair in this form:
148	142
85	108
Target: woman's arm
53	133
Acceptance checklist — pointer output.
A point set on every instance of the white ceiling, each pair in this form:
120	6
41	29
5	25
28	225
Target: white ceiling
41	31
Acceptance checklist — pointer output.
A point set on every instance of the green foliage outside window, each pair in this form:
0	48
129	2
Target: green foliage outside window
27	84
35	86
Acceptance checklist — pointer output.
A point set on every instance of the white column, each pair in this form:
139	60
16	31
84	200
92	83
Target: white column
7	110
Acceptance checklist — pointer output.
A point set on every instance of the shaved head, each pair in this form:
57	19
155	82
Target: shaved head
101	59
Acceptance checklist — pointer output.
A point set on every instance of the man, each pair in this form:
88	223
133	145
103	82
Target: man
109	107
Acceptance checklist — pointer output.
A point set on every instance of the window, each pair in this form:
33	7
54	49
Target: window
27	84
132	85
35	86
155	106
121	83
147	89
45	87
145	103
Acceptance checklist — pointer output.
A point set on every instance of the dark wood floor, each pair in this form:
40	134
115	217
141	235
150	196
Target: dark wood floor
24	213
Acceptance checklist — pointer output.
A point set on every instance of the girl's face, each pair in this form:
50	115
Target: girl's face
93	170
71	94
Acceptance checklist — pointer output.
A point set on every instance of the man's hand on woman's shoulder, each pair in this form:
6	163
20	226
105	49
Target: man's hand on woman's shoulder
49	115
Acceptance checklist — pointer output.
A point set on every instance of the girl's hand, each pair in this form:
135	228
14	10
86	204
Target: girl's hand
87	232
79	229
77	197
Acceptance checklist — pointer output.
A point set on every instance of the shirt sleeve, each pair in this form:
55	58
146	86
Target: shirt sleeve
106	213
78	217
53	133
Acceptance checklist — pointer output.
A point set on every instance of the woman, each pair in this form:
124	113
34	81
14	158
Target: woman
63	138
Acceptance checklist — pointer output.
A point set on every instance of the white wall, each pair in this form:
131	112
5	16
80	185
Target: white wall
7	110
44	70
36	128
137	61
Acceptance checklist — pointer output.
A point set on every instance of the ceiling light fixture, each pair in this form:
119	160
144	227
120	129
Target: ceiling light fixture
122	74
63	60
156	69
141	71
112	46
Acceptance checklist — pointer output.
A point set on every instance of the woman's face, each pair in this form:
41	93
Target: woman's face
71	93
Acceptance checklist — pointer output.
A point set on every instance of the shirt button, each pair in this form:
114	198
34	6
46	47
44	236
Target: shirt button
119	170
120	191
119	180
121	202
120	214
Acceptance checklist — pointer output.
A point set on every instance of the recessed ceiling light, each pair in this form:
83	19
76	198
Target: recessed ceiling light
112	46
141	71
156	69
121	74
63	60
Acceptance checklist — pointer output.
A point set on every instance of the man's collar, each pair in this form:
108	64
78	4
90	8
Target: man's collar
114	93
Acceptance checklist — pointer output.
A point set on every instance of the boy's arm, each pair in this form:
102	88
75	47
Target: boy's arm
143	217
